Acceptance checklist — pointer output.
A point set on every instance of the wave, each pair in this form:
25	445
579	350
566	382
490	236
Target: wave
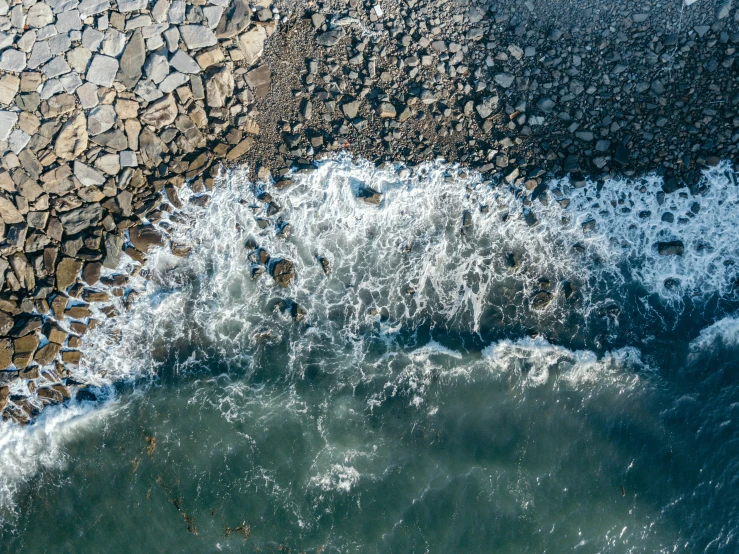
386	256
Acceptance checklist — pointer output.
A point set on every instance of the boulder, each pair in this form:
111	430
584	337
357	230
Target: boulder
283	272
66	272
72	139
75	221
161	113
234	19
143	237
219	87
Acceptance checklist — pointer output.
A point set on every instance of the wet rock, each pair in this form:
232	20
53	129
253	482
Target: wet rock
144	237
671	248
541	300
283	272
370	196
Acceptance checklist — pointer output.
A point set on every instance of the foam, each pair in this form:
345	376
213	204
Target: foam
725	331
395	267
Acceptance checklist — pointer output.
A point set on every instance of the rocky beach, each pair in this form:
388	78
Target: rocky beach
289	140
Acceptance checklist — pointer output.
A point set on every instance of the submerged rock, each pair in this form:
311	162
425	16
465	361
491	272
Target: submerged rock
671	248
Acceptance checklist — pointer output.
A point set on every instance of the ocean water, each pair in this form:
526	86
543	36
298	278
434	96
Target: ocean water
478	371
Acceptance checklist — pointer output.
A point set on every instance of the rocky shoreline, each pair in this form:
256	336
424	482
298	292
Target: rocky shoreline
109	108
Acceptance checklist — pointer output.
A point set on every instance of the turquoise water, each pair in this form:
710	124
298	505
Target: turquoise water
425	402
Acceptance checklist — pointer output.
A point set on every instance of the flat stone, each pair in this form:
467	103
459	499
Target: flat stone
88	95
8	88
81	218
8	211
68	21
132	61
109	163
172	81
87	175
57	66
260	80
103	70
505	80
240	149
209	57
100	119
197	36
331	38
219	87
251	44
113	251
66	272
7	121
13	60
183	63
113	43
92	39
39	15
72	139
156	67
235	19
160	113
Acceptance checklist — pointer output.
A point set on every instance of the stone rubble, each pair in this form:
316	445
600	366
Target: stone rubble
108	107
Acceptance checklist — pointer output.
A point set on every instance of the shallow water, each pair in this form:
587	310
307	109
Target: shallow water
461	381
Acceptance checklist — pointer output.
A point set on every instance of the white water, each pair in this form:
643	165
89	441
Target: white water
393	268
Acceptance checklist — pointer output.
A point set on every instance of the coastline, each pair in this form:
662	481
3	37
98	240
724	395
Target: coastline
504	92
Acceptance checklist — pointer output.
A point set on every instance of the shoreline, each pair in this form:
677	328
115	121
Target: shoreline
171	91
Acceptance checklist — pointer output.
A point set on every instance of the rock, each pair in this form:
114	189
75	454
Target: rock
622	155
486	108
76	220
219	87
66	272
72	139
39	15
387	110
260	80
235	19
132	60
331	38
671	248
12	60
143	237
183	63
251	44
283	272
156	67
113	251
87	175
505	80
541	300
197	36
351	109
240	149
370	195
161	113
8	211
545	104
100	119
7	122
44	356
102	70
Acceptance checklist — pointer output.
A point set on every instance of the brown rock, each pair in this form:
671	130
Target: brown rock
143	237
71	356
80	311
240	149
160	113
283	272
47	353
6	353
73	138
66	272
91	272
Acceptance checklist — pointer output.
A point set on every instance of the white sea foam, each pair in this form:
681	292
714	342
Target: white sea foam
725	331
407	262
338	478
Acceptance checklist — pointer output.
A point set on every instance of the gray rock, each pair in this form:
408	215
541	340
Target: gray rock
132	61
176	13
39	15
9	212
13	60
251	44
260	80
113	251
183	63
103	70
545	104
92	39
486	108
505	80
157	67
197	36
172	81
331	38
113	43
40	54
100	119
77	220
234	20
57	66
7	121
68	21
88	95
87	175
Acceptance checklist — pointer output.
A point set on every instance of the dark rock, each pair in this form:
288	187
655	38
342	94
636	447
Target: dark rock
143	237
671	248
541	300
370	195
